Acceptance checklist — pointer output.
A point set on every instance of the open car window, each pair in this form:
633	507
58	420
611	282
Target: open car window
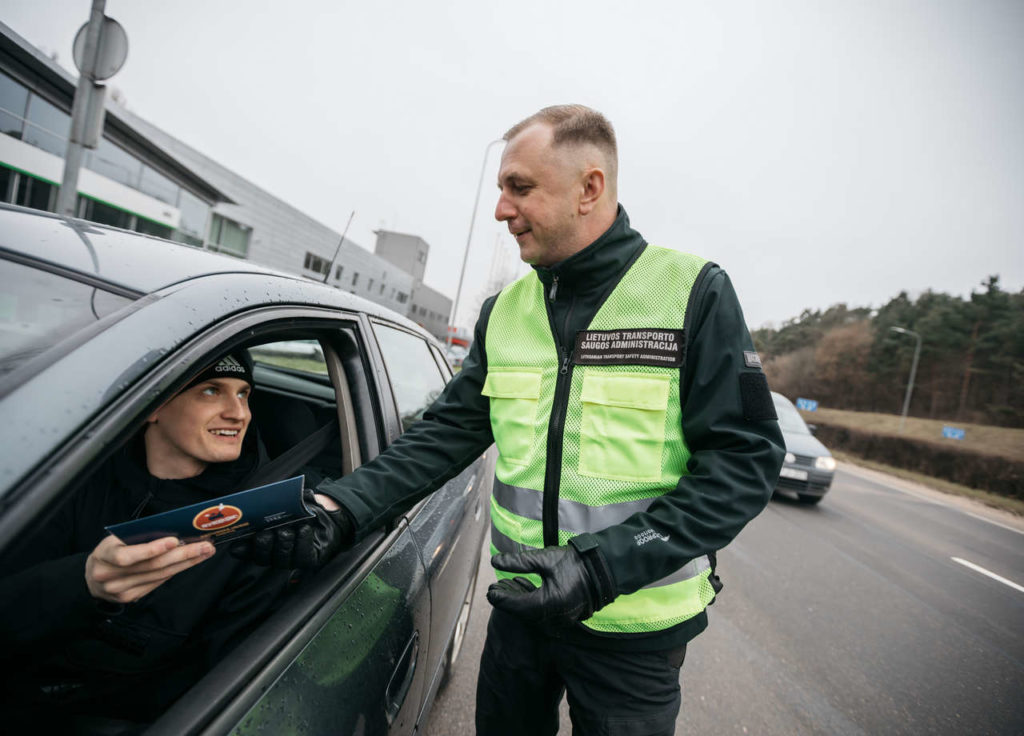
204	612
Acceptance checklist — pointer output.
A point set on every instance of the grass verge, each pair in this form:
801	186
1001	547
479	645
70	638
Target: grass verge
1003	441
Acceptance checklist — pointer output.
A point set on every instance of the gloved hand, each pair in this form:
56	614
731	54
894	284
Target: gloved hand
305	546
573	588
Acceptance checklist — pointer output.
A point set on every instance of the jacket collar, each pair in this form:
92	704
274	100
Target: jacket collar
592	267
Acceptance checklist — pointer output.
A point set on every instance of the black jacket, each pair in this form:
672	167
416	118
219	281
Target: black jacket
728	422
66	653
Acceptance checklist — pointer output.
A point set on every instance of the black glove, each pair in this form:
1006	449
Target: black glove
576	584
304	546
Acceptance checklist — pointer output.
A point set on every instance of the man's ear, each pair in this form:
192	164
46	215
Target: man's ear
155	416
592	187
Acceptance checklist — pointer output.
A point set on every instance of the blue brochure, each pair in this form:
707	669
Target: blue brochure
220	519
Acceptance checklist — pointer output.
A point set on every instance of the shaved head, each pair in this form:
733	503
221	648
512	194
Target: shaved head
557	182
584	132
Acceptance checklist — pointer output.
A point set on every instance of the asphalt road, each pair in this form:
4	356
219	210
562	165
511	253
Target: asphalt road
850	617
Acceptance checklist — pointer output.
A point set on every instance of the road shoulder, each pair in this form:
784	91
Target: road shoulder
965	504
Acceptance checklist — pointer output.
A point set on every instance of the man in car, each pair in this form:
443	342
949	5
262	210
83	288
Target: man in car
97	629
636	436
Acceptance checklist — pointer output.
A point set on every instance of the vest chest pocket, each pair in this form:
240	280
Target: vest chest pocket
514	395
622	432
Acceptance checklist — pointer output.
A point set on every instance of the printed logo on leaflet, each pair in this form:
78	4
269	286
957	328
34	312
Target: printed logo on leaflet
648	535
217	517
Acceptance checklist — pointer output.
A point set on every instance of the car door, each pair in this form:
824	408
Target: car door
448	525
345	647
345	654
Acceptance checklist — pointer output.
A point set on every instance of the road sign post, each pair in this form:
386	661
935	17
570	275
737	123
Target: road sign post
100	50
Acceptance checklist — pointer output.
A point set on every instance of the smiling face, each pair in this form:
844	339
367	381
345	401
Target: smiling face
204	424
540	197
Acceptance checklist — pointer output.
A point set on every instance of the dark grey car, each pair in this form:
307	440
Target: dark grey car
809	466
99	326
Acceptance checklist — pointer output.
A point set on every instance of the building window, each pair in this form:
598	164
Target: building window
115	163
103	213
402	297
355	278
369	285
194	214
338	271
13	103
382	289
28	191
47	126
142	225
316	264
158	186
228	236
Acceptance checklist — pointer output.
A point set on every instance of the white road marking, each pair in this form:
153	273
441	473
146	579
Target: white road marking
1004	526
983	571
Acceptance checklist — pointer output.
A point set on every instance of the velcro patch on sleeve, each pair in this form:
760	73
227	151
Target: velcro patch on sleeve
756	398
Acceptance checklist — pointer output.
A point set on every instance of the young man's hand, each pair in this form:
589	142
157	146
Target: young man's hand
121	573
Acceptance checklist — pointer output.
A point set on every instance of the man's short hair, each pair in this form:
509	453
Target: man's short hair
574	124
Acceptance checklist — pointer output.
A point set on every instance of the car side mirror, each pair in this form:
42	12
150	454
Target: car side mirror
813	428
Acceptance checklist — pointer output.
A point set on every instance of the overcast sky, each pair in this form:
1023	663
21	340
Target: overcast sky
821	152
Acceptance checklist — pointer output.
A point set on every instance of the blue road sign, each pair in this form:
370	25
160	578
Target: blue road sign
953	433
807	404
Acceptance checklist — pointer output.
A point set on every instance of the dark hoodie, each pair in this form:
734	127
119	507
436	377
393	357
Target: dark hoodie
68	653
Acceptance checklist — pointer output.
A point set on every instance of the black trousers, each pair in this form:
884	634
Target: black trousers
524	672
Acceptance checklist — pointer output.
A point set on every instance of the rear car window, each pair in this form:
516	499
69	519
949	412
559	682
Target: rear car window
415	376
789	419
38	309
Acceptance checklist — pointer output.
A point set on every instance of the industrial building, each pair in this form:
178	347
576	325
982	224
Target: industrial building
142	178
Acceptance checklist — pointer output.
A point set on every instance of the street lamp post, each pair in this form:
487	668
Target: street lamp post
469	239
913	372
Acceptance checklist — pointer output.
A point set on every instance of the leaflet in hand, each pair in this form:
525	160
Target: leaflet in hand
221	519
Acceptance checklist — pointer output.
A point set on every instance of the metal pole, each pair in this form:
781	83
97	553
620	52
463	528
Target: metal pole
67	197
913	373
469	239
337	250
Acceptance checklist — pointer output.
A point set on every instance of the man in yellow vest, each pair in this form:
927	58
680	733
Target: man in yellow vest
636	437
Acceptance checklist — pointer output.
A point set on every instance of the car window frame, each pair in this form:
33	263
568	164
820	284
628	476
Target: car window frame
395	419
27	501
233	686
69	342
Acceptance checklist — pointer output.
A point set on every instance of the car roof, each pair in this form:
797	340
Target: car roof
132	261
142	264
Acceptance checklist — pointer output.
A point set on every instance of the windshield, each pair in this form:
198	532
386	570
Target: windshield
38	309
789	418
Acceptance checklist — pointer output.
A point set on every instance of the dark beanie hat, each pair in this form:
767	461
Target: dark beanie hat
236	364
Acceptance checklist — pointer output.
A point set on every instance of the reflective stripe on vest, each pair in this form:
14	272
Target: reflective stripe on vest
621	438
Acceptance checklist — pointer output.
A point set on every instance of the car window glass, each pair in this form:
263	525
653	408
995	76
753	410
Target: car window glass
789	419
305	356
415	377
38	309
